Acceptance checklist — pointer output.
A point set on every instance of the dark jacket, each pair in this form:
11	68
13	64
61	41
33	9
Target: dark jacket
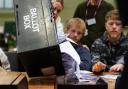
70	64
85	57
105	51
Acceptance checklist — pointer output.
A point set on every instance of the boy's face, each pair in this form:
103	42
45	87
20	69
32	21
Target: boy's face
113	28
57	7
75	33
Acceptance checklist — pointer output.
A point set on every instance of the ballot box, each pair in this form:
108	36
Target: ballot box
37	40
13	80
35	26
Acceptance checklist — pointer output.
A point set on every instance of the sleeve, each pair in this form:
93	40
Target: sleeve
96	51
76	14
69	63
70	67
60	32
111	7
122	52
85	57
108	6
4	61
120	58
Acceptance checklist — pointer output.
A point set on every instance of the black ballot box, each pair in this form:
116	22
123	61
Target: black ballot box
37	41
35	26
98	84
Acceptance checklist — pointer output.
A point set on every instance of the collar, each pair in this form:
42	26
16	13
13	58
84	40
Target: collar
105	39
70	40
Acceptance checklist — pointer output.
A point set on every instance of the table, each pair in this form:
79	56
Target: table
42	83
49	83
39	82
13	80
111	82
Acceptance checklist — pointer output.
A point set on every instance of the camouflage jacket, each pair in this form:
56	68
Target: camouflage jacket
107	52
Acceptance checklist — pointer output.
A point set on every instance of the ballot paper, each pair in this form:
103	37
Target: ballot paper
85	72
110	76
86	76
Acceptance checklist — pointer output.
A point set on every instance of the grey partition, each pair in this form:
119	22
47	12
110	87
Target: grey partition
35	25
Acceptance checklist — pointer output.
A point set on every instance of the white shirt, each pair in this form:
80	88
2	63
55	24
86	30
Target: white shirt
60	31
4	61
66	47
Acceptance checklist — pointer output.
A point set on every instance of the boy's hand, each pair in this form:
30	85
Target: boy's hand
98	67
117	68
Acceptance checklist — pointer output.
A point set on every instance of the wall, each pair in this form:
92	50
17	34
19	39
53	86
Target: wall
70	6
68	11
6	15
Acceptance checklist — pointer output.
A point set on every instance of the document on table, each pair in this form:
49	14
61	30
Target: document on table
86	76
85	72
110	76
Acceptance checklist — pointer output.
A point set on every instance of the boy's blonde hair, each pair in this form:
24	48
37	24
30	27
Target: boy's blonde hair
79	23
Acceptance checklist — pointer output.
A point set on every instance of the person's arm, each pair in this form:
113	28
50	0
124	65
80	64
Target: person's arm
109	6
4	61
70	67
69	63
60	31
77	12
96	51
85	57
85	46
119	63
